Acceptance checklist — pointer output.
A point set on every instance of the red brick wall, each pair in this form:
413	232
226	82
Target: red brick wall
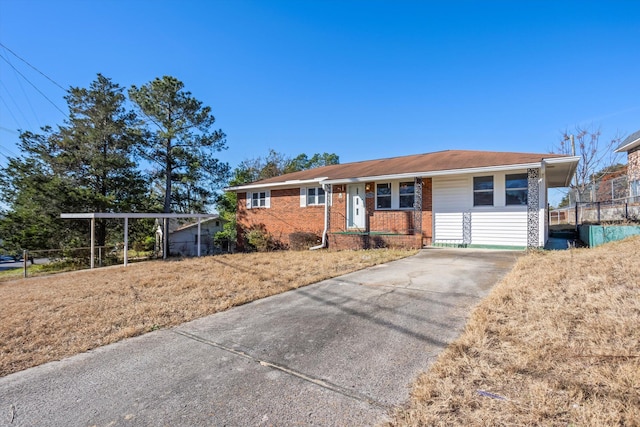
372	241
282	218
338	215
402	221
285	216
391	221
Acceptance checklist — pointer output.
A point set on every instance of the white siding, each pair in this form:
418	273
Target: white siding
499	227
448	228
450	200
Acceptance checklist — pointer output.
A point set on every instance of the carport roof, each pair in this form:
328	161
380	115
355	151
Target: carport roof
425	165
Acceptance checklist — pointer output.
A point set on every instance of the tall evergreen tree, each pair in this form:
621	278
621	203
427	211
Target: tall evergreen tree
85	166
181	144
96	151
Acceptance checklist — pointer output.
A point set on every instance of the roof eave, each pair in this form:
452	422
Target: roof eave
283	184
429	174
568	163
627	147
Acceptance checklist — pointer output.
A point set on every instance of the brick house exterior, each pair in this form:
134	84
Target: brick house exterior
631	145
409	201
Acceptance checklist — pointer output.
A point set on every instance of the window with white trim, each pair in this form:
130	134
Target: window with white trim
258	199
383	195
315	196
483	190
407	194
516	189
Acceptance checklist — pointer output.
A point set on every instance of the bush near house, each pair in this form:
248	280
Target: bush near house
302	240
258	239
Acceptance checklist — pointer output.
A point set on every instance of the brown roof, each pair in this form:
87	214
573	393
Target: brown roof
418	163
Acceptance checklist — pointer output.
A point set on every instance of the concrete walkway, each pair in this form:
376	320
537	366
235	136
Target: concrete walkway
339	352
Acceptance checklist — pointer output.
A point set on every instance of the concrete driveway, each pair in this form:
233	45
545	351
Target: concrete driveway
339	352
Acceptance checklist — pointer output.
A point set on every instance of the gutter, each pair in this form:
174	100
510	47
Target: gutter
431	174
323	244
283	184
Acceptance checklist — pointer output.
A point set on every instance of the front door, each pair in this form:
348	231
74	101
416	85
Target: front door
356	207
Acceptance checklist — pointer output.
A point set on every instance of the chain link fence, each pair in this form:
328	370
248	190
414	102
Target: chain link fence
611	199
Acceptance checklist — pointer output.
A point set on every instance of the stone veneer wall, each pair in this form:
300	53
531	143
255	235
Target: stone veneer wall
633	164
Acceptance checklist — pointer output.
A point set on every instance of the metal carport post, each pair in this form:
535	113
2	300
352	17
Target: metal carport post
100	215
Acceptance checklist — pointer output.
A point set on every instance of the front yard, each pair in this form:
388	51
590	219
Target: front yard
557	342
48	318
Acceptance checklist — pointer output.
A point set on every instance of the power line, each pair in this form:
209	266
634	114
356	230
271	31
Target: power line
11	112
27	98
25	61
9	130
34	86
15	104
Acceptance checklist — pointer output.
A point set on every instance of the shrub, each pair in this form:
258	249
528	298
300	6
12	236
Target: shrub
258	239
146	244
302	240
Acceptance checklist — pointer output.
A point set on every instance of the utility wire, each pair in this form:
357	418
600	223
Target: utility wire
34	86
18	109
11	112
8	151
25	61
27	98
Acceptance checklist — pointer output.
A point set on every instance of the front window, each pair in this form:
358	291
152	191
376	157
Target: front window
483	191
383	196
259	200
516	189
315	196
407	194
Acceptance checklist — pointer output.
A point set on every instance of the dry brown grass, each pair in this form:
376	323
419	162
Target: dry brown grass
558	339
48	318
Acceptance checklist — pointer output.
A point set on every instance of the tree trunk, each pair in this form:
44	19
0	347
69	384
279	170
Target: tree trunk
167	197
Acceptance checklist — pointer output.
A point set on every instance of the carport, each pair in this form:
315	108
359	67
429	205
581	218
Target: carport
101	215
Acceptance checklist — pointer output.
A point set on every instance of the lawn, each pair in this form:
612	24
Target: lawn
48	318
557	342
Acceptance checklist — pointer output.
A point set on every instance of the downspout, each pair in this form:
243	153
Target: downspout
323	244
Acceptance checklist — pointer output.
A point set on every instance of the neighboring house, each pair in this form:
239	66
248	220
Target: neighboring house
454	197
183	240
631	145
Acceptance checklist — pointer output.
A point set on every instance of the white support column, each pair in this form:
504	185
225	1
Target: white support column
93	242
126	241
198	237
164	238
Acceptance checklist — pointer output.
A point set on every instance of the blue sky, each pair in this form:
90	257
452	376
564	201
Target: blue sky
363	79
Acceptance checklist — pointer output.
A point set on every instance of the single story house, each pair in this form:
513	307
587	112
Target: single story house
448	198
631	145
183	241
